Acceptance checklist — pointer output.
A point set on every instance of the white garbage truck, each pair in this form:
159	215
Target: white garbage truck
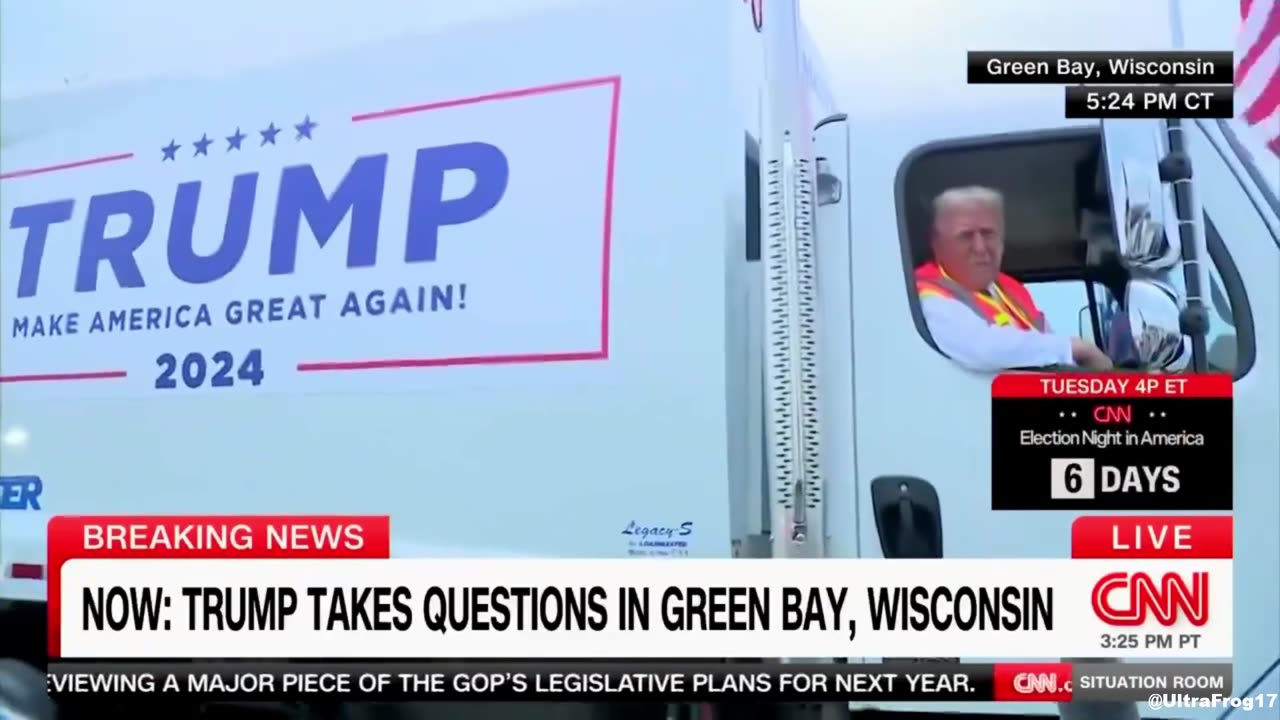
527	276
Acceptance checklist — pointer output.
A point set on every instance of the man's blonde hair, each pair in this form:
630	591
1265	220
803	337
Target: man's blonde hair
967	196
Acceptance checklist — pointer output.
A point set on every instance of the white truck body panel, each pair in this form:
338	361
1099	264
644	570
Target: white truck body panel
571	435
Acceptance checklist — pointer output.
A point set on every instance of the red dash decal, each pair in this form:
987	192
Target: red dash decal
65	377
28	172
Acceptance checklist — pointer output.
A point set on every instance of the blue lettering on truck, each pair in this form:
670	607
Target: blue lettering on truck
20	492
301	198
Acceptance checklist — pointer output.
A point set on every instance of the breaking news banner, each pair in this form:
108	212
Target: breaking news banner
1102	68
593	681
232	587
1113	102
1111	442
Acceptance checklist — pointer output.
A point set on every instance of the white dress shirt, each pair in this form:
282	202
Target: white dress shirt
973	343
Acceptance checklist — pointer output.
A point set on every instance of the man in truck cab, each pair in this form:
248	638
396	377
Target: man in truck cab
978	316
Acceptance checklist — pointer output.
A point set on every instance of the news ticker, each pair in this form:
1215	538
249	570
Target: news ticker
1111	442
146	587
70	682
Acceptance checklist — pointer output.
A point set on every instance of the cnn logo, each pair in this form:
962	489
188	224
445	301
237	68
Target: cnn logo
1039	683
1129	599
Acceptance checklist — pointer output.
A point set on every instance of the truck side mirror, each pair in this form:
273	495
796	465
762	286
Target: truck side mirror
1154	323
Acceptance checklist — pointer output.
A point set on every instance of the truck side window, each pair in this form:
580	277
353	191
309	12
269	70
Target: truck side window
1046	181
1051	191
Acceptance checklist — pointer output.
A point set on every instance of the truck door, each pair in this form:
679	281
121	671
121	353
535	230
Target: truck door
921	427
921	422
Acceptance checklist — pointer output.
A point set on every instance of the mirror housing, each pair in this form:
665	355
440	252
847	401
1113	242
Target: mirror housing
1153	324
1142	207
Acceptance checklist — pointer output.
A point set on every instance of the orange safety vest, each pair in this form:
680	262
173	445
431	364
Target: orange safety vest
1011	304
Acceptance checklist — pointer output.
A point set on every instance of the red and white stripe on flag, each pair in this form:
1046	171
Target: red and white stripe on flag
1258	70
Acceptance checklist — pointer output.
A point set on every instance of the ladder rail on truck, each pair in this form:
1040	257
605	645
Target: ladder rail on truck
793	414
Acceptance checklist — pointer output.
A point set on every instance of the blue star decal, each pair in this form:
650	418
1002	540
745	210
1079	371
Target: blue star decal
233	141
202	145
304	128
269	135
170	151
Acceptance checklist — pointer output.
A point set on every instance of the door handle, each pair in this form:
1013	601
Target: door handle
908	517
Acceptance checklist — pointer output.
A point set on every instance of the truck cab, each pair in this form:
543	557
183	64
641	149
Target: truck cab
1059	178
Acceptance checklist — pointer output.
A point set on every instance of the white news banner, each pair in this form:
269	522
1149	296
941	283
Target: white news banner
645	609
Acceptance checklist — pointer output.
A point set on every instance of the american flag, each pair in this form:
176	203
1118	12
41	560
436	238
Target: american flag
1258	70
